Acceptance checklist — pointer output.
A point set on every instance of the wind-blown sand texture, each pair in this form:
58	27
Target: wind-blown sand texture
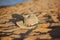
48	11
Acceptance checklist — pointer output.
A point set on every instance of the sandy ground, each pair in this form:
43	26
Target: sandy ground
47	11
